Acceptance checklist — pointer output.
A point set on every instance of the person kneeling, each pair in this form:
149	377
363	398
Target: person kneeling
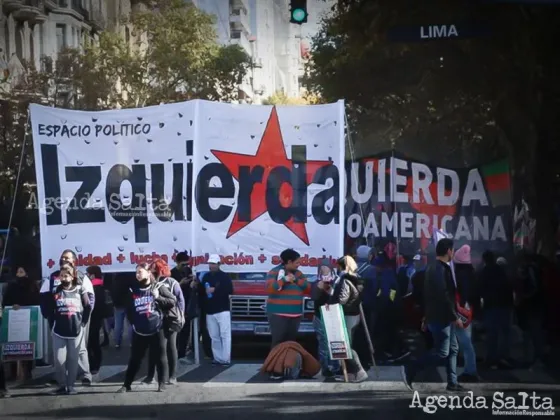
145	312
289	360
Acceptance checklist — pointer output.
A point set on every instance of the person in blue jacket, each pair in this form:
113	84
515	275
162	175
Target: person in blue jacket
147	302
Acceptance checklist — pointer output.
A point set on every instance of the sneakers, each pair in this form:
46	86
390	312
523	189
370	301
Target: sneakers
147	381
4	393
59	391
71	391
361	376
275	376
456	388
123	389
86	382
407	377
172	381
162	388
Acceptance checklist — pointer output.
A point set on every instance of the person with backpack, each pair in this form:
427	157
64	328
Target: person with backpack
68	259
174	320
183	273
148	302
347	290
215	289
97	319
68	313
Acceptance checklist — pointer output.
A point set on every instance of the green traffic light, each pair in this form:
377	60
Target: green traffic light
298	15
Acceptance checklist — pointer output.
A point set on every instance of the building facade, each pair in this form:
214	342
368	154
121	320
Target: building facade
262	28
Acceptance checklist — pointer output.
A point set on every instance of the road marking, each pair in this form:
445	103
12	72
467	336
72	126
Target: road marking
108	371
235	375
182	369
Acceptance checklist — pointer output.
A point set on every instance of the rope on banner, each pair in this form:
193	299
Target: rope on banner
27	125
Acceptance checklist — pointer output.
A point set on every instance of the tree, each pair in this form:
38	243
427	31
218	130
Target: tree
459	101
173	55
280	98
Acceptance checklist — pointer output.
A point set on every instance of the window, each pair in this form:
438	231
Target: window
60	37
127	35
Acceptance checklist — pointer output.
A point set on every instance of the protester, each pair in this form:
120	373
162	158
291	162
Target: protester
289	360
286	287
215	289
68	260
326	275
97	318
161	274
119	295
388	310
346	291
184	275
441	319
530	310
147	302
68	313
466	292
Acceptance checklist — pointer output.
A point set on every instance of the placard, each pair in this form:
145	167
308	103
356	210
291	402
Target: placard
21	333
337	334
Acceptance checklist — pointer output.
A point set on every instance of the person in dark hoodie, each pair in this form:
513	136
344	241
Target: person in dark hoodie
119	294
68	313
325	277
68	260
441	318
215	288
97	318
147	303
496	292
183	274
162	275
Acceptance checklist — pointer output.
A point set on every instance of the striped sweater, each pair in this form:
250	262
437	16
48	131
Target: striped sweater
285	298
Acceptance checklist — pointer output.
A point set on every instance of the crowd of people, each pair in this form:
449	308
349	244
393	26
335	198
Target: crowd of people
376	297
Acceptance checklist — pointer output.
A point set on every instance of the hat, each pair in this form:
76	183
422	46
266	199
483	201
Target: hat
214	259
463	255
417	257
501	261
363	252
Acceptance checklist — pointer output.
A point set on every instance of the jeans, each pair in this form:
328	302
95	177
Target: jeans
120	319
444	352
534	339
183	339
498	333
327	365
464	337
219	328
354	364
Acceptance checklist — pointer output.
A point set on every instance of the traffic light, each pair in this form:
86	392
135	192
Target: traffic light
298	11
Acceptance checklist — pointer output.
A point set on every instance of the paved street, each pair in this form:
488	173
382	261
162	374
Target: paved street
209	392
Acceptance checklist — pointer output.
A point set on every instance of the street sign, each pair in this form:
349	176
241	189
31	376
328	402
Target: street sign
432	32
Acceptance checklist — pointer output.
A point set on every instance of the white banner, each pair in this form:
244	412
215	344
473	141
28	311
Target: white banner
246	182
269	179
114	186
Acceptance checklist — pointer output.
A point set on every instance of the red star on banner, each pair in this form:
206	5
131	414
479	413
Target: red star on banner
270	154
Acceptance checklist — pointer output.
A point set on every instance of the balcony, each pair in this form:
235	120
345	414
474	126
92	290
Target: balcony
240	38
239	4
33	10
239	20
76	6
